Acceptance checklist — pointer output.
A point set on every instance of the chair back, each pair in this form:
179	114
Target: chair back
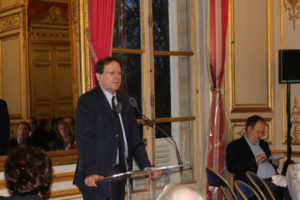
216	180
245	191
259	185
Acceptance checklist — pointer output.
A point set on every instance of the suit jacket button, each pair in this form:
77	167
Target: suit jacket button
116	135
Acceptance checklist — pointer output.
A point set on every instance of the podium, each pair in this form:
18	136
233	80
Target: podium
148	173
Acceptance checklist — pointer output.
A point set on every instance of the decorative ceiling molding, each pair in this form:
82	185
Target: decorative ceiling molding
53	15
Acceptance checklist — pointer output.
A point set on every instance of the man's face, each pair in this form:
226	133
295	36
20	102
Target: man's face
254	134
23	132
111	77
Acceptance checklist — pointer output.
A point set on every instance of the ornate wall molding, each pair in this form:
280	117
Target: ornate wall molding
293	10
53	15
250	58
10	23
48	34
295	120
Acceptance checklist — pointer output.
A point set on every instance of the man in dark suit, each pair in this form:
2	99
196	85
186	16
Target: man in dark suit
22	136
4	127
97	135
251	153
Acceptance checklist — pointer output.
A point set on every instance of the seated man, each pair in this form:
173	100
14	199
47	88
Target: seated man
251	153
22	135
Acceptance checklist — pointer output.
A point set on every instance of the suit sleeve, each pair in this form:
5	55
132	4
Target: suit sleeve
237	161
85	131
4	127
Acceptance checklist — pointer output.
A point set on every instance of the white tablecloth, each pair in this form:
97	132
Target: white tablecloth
293	180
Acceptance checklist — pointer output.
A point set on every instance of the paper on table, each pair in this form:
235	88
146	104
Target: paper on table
277	156
279	180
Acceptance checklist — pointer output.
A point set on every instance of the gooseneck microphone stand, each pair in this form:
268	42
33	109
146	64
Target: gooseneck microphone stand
289	126
151	123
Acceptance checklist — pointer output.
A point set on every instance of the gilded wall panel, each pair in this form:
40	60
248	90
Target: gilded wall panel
251	78
290	30
11	88
238	128
10	23
4	4
63	82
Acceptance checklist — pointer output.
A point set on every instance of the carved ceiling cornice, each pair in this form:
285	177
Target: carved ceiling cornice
52	16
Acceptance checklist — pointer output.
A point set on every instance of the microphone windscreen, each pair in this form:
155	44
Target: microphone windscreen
118	107
132	102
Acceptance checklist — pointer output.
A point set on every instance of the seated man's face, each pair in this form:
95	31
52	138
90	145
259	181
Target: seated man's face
23	132
254	134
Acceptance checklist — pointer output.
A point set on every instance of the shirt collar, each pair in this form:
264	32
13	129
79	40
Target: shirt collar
108	96
249	142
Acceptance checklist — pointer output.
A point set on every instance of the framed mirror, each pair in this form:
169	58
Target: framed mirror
19	36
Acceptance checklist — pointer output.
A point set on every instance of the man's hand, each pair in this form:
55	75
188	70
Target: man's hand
154	173
90	180
261	157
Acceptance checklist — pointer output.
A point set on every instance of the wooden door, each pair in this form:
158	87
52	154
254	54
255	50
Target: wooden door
50	80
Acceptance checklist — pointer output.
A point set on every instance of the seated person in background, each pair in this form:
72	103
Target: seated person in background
32	124
251	153
28	173
71	121
66	139
179	192
53	133
22	135
40	137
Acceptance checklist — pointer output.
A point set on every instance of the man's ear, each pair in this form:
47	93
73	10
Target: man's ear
249	128
98	77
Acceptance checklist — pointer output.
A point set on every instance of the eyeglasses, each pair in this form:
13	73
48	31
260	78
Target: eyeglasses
112	73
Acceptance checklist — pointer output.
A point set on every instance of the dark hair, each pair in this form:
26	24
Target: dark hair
54	121
25	123
99	67
43	124
251	121
28	170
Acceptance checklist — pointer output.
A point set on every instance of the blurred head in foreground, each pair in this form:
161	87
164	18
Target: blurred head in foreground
177	192
28	170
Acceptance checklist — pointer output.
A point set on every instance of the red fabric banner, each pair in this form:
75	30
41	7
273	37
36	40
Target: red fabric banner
101	13
218	33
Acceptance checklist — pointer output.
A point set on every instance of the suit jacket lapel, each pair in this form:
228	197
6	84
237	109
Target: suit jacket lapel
248	149
103	102
123	114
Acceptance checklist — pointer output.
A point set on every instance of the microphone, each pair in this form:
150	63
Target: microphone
133	103
151	123
118	108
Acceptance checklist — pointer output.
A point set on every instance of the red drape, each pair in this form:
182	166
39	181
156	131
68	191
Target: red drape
218	33
101	13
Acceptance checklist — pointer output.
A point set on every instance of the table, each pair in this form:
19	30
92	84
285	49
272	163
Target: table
293	180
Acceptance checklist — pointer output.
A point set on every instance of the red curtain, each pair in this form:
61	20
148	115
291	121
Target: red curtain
101	13
218	35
